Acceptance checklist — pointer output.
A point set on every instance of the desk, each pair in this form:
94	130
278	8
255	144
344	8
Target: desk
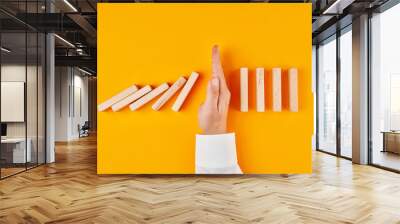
391	141
17	151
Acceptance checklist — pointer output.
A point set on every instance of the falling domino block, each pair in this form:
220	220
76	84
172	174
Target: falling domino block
293	90
108	103
169	93
276	89
260	89
126	101
149	96
185	92
244	89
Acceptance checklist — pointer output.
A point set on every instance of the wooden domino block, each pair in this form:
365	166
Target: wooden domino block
244	89
293	90
185	91
169	93
149	96
108	103
126	101
276	90
260	89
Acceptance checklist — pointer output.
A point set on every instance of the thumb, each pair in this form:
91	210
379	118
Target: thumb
212	93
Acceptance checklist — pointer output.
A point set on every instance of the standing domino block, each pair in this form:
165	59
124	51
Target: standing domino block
277	89
293	90
260	89
244	89
185	91
149	96
169	93
108	103
125	102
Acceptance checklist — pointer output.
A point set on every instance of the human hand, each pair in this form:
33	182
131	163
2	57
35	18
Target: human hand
213	113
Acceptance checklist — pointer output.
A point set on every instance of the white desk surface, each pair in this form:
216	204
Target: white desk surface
13	140
20	153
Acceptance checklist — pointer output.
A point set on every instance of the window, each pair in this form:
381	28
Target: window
327	96
22	77
346	74
333	137
385	89
394	102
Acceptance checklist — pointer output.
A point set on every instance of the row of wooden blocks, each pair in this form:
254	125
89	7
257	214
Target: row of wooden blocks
136	98
276	89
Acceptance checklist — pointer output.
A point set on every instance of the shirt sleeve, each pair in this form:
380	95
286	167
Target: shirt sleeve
216	154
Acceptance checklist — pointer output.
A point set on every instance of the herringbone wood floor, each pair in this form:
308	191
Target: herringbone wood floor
69	191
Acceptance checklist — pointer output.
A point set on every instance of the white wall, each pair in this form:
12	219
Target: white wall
62	78
83	83
16	73
34	126
71	102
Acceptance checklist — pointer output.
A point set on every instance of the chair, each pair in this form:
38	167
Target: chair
84	130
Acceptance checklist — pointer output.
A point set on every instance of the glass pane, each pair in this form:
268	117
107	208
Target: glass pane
41	98
327	96
346	93
385	114
314	78
22	89
13	88
32	95
31	88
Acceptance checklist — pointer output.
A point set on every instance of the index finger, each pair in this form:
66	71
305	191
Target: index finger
216	63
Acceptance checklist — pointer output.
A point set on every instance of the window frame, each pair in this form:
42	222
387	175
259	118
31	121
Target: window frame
334	37
381	9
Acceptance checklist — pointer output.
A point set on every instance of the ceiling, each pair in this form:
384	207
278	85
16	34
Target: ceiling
76	22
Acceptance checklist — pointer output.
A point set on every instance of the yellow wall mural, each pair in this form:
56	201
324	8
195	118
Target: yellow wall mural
150	44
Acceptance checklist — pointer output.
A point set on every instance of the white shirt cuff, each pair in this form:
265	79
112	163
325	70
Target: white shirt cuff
216	154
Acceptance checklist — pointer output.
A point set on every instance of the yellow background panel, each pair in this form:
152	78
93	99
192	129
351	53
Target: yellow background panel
155	43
